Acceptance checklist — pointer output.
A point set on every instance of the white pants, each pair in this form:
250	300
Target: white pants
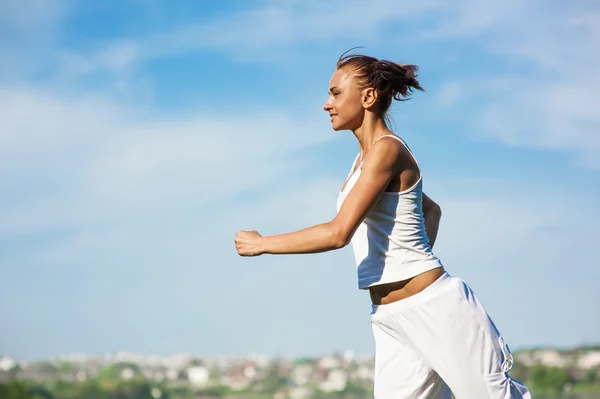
439	341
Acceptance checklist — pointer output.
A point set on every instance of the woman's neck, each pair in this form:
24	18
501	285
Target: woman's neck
370	130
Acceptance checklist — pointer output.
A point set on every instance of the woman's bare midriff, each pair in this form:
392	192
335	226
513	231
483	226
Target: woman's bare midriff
396	291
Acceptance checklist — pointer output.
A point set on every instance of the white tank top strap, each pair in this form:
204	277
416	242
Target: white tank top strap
354	166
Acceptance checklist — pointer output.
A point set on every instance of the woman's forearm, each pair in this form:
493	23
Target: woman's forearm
319	238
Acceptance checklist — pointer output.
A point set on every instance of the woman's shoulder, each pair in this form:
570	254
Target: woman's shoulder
391	145
391	151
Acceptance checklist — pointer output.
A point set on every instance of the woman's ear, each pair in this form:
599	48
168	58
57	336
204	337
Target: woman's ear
369	97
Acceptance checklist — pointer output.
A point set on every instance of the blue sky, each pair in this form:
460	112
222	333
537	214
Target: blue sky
138	137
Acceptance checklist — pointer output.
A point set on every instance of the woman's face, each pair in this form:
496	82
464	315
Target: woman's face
345	105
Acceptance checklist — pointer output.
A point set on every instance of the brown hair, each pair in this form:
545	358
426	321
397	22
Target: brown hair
389	79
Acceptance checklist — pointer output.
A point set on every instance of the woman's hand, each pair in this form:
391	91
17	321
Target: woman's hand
247	243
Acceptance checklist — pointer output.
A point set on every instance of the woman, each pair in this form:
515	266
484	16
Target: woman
432	335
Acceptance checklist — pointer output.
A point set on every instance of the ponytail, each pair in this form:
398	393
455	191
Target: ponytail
389	79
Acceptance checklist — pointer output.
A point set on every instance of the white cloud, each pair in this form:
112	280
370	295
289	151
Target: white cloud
116	58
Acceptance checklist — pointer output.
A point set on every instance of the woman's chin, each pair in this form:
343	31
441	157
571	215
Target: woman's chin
335	126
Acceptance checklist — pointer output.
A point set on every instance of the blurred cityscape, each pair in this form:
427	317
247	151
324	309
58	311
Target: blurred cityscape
551	373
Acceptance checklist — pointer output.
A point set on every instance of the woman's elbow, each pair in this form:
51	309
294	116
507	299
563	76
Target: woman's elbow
436	209
339	237
340	241
432	210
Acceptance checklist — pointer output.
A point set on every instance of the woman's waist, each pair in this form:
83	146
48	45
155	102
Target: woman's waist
389	292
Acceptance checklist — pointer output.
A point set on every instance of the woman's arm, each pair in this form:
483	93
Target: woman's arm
432	214
320	238
379	167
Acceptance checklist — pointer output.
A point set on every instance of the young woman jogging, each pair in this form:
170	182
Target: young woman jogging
432	335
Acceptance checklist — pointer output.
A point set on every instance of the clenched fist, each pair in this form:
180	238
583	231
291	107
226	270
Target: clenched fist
247	243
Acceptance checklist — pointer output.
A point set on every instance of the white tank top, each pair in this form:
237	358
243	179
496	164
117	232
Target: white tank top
391	243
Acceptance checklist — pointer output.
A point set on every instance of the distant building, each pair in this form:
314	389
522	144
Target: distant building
241	376
7	363
250	371
302	374
329	362
127	373
159	376
335	382
172	374
198	376
364	373
547	357
589	360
